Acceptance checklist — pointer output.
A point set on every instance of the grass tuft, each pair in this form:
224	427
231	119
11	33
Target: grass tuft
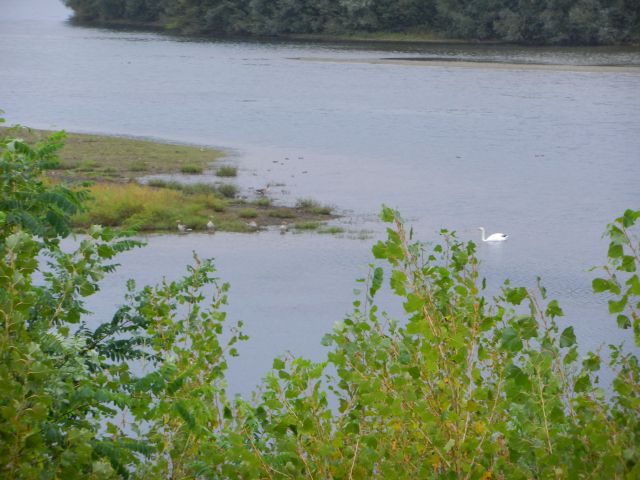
227	171
262	202
312	206
331	230
191	169
248	213
306	225
227	190
282	213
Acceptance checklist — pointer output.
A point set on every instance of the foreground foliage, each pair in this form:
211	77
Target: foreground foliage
541	22
462	387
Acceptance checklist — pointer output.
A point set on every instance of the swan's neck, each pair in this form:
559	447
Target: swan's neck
483	236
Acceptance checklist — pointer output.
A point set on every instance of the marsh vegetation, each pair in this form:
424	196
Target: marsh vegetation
113	171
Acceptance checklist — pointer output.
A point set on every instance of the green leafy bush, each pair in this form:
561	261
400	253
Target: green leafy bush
462	386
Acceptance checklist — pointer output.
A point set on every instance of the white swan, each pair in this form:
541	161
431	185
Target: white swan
494	237
284	228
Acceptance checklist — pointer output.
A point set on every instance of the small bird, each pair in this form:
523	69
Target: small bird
182	228
211	227
252	225
263	191
284	228
494	237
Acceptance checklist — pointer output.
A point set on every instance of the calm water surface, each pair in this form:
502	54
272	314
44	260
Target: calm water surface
547	156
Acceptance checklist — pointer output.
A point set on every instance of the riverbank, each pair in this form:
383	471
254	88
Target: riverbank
411	36
121	177
429	62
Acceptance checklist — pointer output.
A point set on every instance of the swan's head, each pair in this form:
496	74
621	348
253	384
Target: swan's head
481	228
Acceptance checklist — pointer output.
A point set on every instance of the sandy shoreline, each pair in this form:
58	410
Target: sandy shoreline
466	64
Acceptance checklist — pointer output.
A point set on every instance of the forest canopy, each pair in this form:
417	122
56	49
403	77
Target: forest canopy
569	22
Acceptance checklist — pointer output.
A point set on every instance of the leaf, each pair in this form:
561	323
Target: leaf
623	322
603	285
617	306
397	282
510	340
615	250
518	376
527	327
591	362
379	250
516	295
567	337
553	309
376	281
582	383
634	285
628	264
387	215
629	217
413	303
278	364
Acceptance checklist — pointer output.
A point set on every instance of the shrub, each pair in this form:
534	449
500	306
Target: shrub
227	171
262	202
191	169
463	385
312	206
227	190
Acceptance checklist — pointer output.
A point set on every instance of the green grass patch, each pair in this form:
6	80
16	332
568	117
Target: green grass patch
282	213
262	202
104	164
192	169
227	190
331	230
306	225
130	157
87	166
312	206
227	171
139	167
248	213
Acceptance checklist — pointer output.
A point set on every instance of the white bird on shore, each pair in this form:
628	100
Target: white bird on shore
252	225
284	228
182	228
211	227
494	237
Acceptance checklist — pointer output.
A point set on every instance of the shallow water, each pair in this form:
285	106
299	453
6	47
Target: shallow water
547	156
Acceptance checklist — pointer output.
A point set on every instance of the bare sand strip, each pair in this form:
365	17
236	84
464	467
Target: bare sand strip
465	64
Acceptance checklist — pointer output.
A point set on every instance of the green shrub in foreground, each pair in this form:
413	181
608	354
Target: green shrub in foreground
461	387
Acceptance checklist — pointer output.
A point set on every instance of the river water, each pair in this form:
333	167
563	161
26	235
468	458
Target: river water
548	156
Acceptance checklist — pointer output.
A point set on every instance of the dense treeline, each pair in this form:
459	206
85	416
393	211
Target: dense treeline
522	21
